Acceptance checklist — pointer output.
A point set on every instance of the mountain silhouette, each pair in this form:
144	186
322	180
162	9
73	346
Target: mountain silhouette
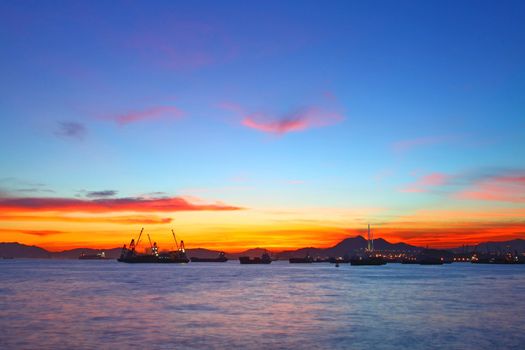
345	247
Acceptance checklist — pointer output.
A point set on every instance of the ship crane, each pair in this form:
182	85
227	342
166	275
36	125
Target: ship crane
138	239
153	247
175	239
133	244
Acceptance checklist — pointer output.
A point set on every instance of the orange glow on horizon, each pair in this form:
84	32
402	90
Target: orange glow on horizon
276	229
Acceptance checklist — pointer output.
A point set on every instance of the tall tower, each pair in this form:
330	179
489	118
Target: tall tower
369	241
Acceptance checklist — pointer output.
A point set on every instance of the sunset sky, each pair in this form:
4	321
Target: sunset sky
277	124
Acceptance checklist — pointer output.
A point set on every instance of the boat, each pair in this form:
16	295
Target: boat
99	256
369	258
430	260
221	258
367	261
131	256
264	259
432	257
339	260
305	260
507	258
409	260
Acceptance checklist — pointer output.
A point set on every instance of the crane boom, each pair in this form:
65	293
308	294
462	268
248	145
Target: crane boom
140	235
150	244
175	239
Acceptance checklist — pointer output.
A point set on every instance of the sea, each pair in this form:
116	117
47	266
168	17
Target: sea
70	304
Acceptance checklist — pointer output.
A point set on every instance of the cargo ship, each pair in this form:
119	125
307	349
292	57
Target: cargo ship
431	260
507	258
264	259
305	260
131	256
221	258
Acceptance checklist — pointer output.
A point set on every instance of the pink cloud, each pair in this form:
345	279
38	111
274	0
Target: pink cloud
506	188
106	205
324	112
281	126
152	113
427	182
299	120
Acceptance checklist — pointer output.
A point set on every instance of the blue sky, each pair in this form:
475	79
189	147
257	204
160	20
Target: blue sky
266	104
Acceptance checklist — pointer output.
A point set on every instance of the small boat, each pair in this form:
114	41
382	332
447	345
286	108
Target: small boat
507	258
221	258
367	261
430	260
306	260
99	256
409	260
264	259
339	260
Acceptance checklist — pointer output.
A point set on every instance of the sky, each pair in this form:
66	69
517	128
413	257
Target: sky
277	124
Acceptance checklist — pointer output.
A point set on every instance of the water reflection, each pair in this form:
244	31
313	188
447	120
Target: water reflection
88	304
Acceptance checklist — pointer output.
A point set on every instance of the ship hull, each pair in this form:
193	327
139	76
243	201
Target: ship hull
367	262
216	260
152	259
255	261
300	261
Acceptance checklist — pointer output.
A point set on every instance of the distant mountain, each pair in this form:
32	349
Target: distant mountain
515	244
255	252
17	250
300	253
347	246
75	253
202	253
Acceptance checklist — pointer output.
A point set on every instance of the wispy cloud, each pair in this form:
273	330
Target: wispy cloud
504	188
120	219
11	184
299	119
503	185
41	233
101	194
427	183
72	130
152	113
106	205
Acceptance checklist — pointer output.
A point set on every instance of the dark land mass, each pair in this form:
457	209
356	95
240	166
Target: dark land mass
346	246
494	247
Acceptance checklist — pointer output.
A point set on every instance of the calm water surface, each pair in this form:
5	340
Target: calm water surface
50	304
